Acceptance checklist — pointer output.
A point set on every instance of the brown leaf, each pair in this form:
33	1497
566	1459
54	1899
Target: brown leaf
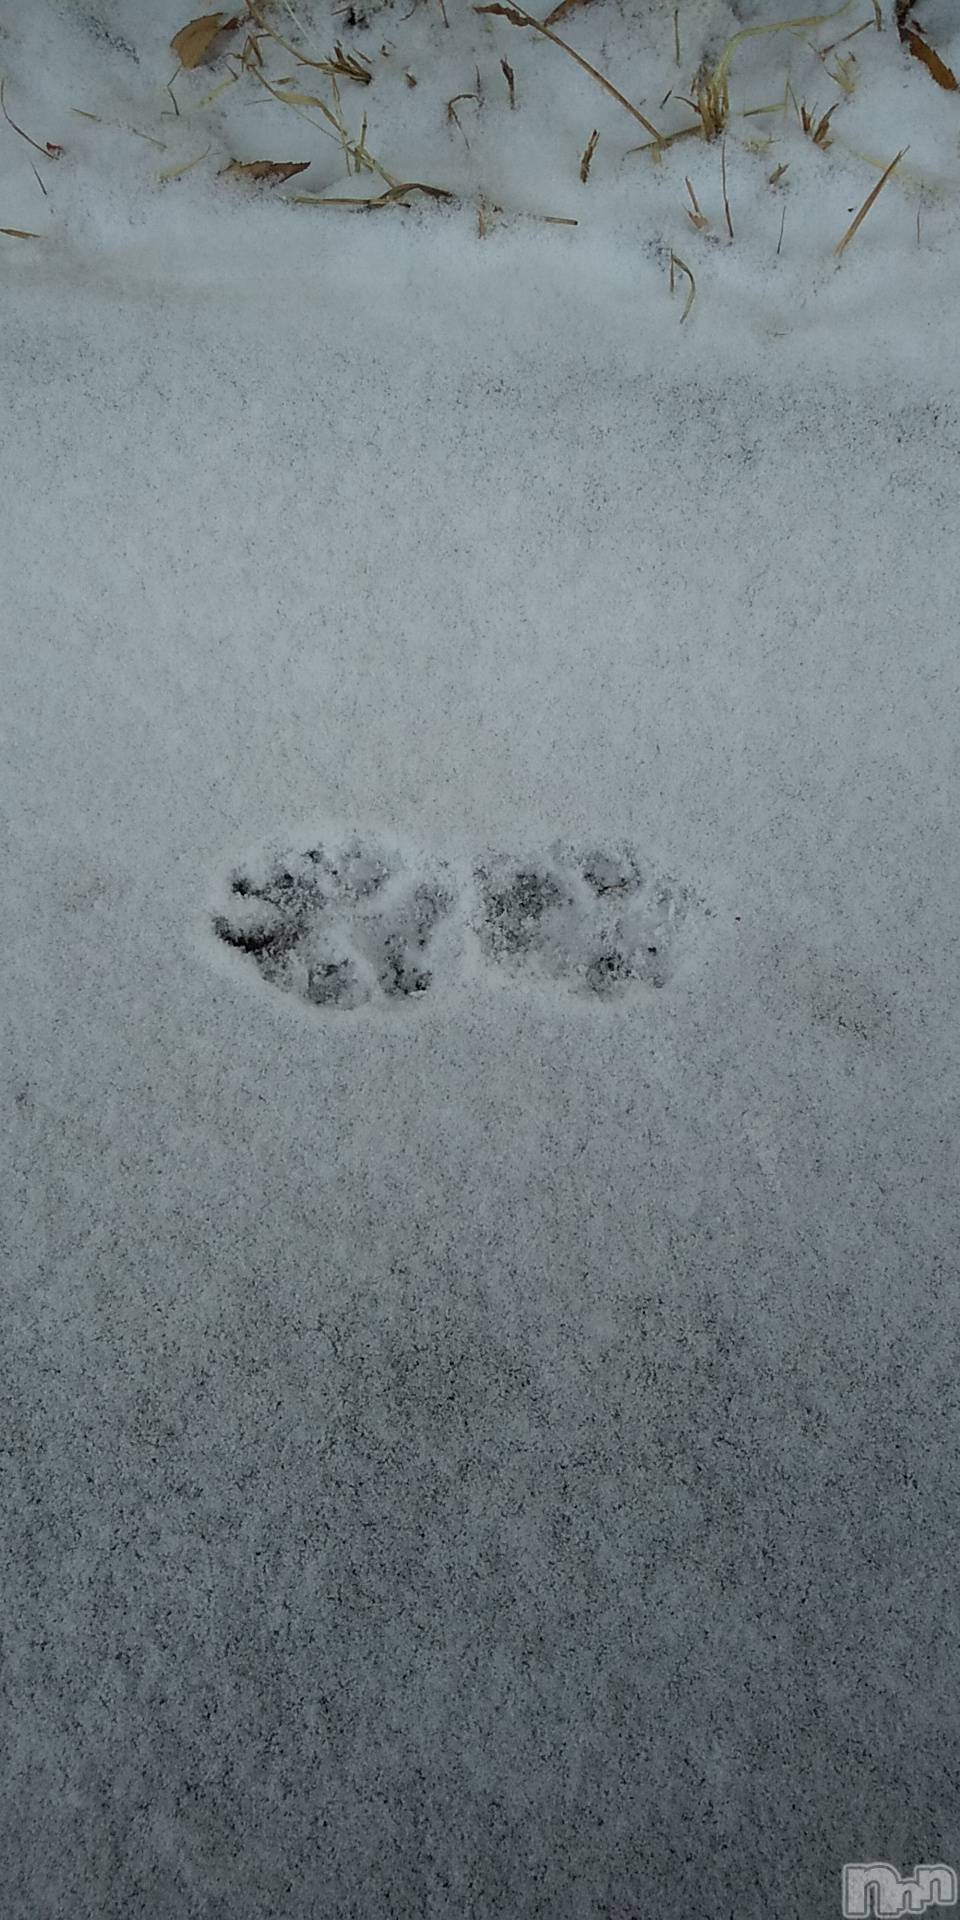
194	41
19	233
560	12
509	13
271	170
921	49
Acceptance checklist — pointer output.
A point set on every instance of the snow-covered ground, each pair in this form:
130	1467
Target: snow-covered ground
480	1396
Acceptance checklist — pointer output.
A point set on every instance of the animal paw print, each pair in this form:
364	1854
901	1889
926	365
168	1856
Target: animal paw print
595	922
346	926
340	927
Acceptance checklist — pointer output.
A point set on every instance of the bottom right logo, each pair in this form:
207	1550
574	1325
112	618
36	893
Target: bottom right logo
875	1888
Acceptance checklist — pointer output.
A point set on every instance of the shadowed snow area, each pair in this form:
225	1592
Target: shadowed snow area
480	851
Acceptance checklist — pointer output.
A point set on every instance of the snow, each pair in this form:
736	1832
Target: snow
488	1449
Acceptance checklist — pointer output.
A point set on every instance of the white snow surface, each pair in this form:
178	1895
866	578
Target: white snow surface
489	1448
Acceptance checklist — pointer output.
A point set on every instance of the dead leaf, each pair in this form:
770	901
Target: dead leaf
194	41
560	12
19	233
272	171
921	49
508	13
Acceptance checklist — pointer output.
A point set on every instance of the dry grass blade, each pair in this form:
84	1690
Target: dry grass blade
290	97
194	42
921	49
864	27
272	171
518	18
393	196
511	80
343	66
453	118
675	263
123	126
817	130
694	215
868	203
187	166
490	210
723	180
586	159
713	103
19	233
669	139
50	150
355	151
215	92
843	72
347	65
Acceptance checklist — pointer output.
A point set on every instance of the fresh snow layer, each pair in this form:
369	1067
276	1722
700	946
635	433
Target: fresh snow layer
480	1431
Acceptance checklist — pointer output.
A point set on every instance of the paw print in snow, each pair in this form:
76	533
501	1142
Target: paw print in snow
595	922
346	926
339	927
